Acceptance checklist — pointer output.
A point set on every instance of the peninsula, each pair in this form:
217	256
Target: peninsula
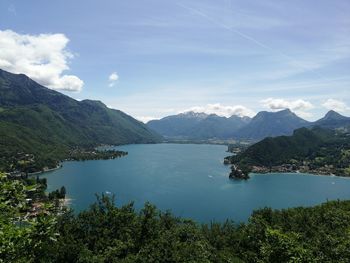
315	150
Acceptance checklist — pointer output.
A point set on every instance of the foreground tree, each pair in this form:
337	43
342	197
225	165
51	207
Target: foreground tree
108	233
22	239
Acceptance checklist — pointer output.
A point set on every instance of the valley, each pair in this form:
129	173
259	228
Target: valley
179	131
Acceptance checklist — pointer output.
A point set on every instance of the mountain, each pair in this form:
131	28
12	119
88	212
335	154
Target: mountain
176	125
201	126
333	120
274	151
271	124
314	149
215	126
191	125
35	119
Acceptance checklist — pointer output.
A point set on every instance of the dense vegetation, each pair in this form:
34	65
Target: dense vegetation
47	124
107	233
317	149
28	219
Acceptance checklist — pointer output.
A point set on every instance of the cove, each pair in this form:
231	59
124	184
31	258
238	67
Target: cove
191	181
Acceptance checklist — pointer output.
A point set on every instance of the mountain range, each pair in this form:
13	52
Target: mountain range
193	126
44	122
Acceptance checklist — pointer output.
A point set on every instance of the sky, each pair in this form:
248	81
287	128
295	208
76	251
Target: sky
153	58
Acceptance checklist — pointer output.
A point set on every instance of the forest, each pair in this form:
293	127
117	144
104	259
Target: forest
107	232
316	150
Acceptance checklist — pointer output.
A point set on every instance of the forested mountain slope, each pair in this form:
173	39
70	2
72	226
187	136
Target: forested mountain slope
44	122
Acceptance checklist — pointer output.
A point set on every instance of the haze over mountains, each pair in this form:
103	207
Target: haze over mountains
194	126
198	125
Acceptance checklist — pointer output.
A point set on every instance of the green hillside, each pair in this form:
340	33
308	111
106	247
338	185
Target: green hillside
36	120
317	149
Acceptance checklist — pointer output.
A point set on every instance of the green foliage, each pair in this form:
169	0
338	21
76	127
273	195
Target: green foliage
316	147
108	233
58	194
23	239
274	151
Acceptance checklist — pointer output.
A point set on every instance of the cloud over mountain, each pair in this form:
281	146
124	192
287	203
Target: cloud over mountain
43	58
222	110
299	106
336	105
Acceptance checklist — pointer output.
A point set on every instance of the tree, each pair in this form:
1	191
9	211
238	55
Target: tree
22	239
62	192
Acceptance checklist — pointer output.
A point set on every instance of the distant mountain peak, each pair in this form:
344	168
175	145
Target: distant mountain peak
287	110
280	113
192	114
333	120
198	125
333	115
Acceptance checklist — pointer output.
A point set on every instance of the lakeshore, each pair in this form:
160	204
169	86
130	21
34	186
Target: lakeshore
191	181
237	173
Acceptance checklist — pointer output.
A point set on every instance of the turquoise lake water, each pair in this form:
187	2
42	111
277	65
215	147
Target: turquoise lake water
191	181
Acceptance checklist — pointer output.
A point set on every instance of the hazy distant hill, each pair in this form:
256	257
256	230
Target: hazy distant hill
202	126
193	125
36	119
177	125
333	120
271	124
218	127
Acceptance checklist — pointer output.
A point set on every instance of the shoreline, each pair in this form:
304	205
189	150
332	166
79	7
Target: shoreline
283	169
300	173
59	166
66	201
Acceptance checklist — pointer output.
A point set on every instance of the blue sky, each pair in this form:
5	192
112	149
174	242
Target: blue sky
223	56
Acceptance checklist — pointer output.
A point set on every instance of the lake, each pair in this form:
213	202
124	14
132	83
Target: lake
191	181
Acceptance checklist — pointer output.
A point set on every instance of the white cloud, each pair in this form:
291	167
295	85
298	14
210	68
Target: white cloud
299	106
113	79
223	110
280	104
43	58
337	105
